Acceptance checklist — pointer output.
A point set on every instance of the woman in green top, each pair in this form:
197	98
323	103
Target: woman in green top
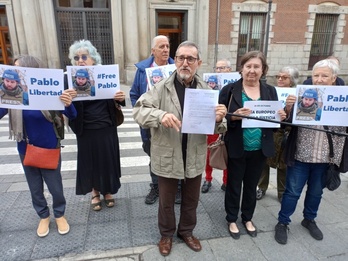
247	148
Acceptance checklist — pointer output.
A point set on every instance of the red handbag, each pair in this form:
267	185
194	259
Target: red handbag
41	158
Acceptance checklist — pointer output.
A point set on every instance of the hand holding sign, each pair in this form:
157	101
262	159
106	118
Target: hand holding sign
66	98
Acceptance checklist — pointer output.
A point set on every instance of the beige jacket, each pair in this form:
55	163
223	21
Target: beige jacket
166	143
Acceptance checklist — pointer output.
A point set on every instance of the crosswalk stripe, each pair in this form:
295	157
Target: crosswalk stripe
70	165
73	148
122	126
129	129
67	136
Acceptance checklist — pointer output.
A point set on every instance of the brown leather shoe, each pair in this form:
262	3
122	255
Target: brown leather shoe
165	245
191	242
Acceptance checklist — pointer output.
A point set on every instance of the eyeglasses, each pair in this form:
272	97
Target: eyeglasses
282	77
221	68
83	57
189	59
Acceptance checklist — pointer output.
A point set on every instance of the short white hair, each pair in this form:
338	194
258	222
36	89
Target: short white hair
156	38
333	66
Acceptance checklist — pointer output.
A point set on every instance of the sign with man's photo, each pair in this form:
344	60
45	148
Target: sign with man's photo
31	88
321	105
94	82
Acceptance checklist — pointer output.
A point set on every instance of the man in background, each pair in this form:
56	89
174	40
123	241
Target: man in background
159	56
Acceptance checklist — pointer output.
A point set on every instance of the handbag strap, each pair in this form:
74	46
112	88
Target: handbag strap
55	131
329	138
228	108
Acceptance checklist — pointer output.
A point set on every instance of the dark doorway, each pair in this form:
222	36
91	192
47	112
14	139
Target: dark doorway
173	25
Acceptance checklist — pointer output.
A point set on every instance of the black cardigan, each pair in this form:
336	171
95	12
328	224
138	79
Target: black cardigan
77	124
234	135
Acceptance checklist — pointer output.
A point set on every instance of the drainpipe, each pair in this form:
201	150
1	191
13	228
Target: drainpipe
263	78
267	27
217	31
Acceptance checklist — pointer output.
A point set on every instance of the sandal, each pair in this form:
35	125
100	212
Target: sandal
109	202
96	206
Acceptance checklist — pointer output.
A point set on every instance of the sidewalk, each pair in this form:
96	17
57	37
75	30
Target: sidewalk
129	230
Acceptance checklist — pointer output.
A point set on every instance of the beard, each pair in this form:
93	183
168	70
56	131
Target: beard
185	74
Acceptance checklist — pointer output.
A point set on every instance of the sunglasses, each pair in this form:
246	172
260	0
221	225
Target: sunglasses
83	57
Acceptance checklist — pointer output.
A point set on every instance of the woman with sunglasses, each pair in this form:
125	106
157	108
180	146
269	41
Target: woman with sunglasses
98	154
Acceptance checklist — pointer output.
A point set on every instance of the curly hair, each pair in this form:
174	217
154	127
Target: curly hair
84	45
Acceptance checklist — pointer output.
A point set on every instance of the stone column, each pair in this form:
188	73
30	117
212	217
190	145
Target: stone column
131	37
50	33
144	34
118	39
202	19
33	31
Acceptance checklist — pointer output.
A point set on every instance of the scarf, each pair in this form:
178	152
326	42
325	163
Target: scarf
310	109
82	87
16	91
15	118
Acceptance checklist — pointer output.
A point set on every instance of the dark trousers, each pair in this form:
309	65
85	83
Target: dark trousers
247	171
147	150
53	179
190	191
281	180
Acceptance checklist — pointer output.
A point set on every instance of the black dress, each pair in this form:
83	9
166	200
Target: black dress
98	154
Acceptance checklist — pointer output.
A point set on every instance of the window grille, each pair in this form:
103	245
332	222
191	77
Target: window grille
324	33
92	24
251	33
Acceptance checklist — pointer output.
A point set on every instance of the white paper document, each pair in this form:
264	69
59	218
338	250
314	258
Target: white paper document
199	111
267	110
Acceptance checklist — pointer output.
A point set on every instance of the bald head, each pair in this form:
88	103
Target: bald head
160	49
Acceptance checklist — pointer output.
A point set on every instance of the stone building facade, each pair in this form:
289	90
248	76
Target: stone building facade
45	28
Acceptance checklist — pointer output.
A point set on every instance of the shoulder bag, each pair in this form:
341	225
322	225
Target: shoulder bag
41	157
119	114
218	157
332	175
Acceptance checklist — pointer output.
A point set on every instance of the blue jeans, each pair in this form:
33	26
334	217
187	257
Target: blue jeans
296	178
53	179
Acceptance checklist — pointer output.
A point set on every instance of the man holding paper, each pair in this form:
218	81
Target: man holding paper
174	155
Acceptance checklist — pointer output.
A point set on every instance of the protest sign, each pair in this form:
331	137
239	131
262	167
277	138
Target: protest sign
31	88
217	81
321	105
283	93
158	73
94	82
267	110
